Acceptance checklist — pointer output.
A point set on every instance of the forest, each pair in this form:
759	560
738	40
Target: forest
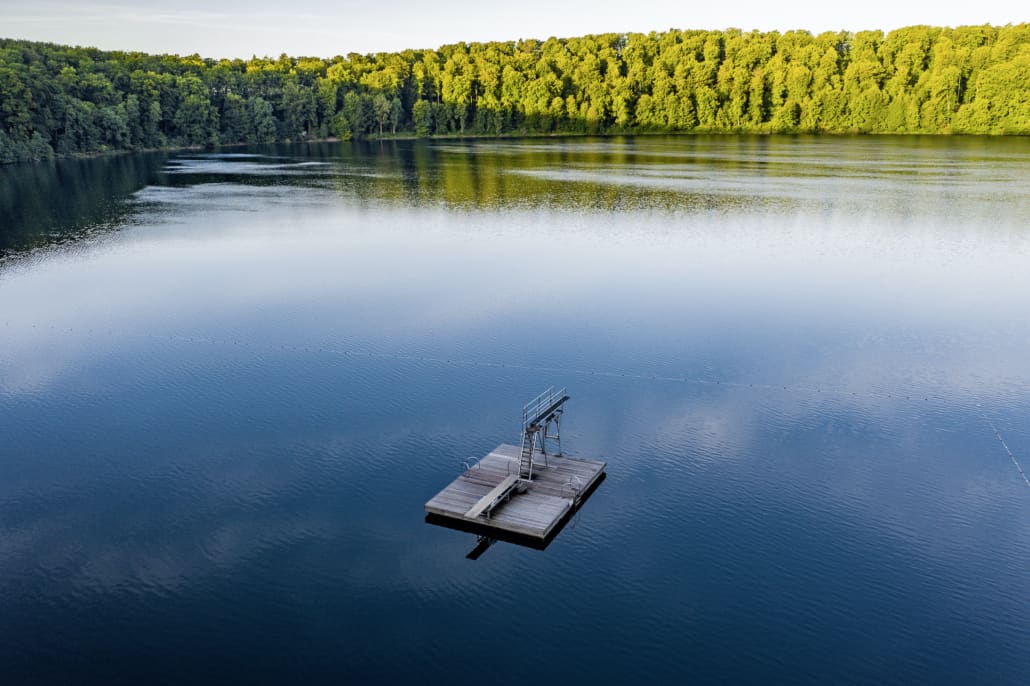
60	100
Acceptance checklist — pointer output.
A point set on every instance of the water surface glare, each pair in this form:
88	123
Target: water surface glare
230	381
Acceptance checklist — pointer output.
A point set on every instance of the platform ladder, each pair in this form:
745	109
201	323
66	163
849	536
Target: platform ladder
541	422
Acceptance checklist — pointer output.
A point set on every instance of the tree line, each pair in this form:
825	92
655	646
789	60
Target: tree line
69	100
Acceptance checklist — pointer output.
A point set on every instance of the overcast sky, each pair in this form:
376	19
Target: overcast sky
323	28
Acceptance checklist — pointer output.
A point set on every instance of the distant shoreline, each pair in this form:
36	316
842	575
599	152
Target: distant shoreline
406	137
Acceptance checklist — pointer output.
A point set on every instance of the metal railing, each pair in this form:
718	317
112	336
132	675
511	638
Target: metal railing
470	465
534	407
572	489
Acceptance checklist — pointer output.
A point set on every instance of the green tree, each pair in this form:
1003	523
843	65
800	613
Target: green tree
299	106
422	114
261	126
381	111
339	126
358	113
195	120
234	118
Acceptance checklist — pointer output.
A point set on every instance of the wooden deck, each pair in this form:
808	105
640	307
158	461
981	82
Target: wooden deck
537	513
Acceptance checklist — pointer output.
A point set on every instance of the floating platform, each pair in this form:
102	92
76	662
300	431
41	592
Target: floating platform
488	498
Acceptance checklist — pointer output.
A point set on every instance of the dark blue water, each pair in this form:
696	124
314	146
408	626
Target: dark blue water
229	383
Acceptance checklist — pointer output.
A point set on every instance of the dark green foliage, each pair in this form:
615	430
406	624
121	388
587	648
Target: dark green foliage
918	79
299	105
235	119
261	122
422	117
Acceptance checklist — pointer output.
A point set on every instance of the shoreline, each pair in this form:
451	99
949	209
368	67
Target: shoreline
411	136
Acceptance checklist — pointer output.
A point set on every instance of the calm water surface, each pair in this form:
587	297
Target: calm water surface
229	382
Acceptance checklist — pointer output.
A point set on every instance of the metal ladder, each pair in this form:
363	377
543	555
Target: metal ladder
537	417
526	458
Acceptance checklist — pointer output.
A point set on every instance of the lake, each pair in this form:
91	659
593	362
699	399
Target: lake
229	381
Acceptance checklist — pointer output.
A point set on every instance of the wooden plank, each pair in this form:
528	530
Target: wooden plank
499	491
535	513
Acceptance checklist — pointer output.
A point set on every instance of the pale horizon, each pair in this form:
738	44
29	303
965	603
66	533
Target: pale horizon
237	29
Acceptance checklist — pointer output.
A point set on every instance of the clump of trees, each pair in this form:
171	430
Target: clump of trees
63	100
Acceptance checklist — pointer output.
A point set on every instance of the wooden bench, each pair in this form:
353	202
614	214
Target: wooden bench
491	499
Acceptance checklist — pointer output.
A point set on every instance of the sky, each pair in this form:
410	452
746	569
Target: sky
324	28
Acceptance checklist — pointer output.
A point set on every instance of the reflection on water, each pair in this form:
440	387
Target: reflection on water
57	201
229	382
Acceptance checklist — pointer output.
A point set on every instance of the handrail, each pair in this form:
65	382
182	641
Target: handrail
540	403
470	464
575	487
